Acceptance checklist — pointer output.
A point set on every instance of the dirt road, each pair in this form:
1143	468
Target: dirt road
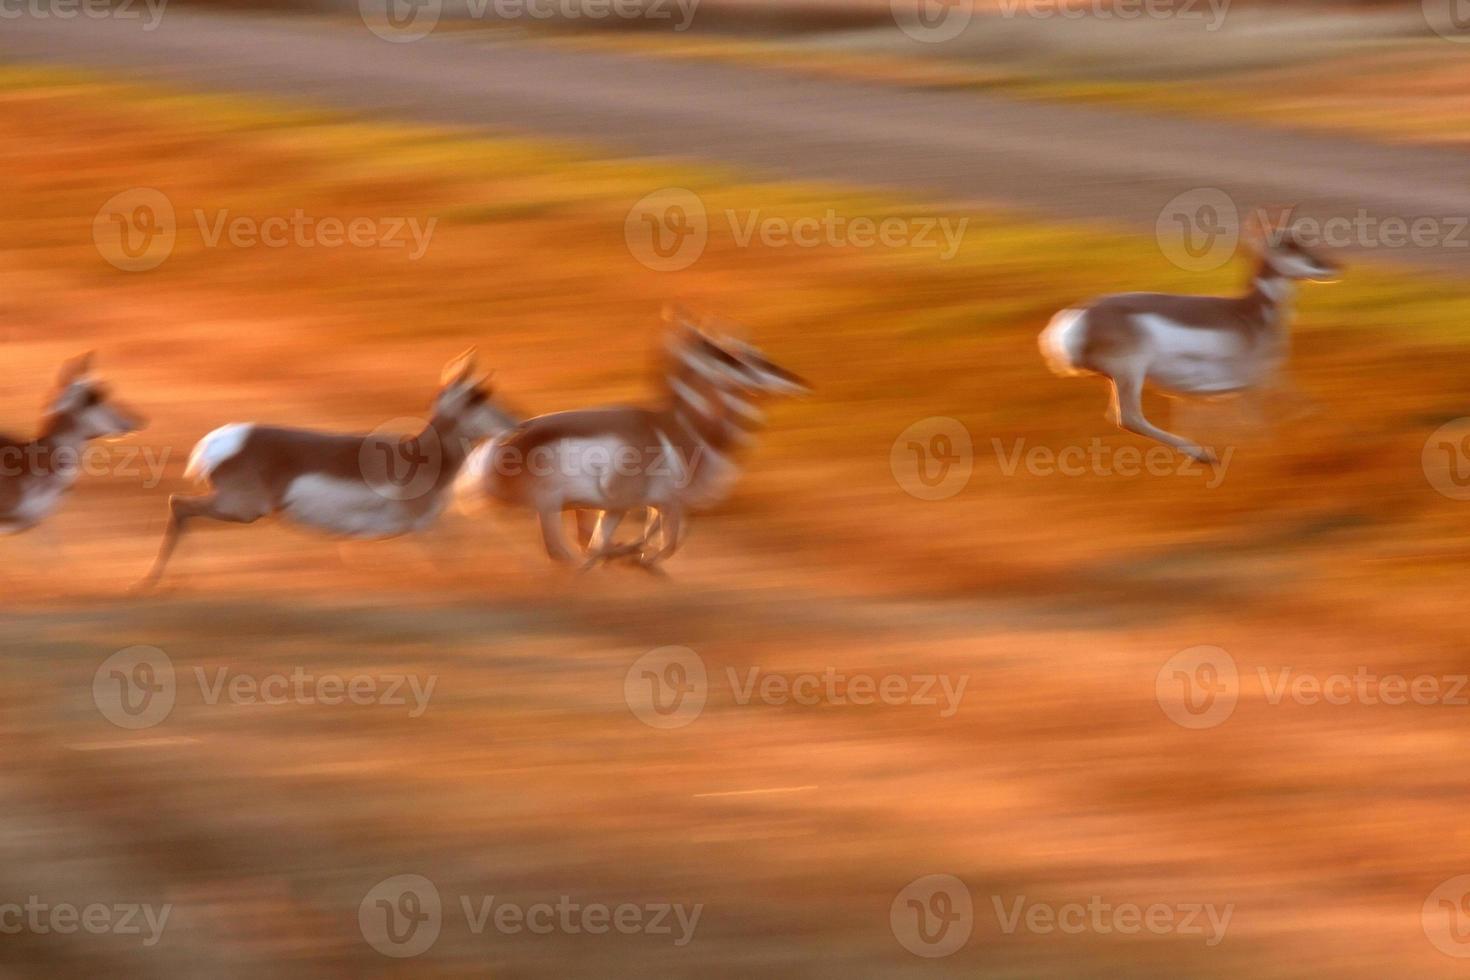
274	825
1063	160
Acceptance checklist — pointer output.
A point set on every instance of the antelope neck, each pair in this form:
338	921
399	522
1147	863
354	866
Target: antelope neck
453	446
705	417
59	433
1270	292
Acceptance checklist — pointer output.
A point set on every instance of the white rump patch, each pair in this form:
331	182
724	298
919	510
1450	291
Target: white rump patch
1061	342
221	444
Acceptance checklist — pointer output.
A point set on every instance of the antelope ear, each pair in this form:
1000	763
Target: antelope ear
681	322
77	367
459	369
729	334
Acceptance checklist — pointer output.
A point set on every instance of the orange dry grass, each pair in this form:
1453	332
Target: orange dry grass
1057	598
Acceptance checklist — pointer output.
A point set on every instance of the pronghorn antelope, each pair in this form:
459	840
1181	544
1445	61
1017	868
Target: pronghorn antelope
606	462
1186	345
735	389
351	485
35	475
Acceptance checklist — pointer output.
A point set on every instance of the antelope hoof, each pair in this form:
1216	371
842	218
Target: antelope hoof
650	565
1202	455
144	586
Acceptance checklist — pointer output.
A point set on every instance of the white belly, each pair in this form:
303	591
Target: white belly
353	508
602	471
586	468
1192	360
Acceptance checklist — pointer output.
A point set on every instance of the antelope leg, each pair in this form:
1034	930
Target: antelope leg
671	523
1128	397
587	526
554	535
600	548
181	510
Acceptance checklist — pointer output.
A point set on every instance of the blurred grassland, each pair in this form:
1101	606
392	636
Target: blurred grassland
1324	548
528	258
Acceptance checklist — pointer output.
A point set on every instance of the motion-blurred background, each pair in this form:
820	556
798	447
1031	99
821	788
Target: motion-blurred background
968	682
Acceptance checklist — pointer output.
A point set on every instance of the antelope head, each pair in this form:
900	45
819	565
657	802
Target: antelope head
466	400
84	406
1281	247
736	361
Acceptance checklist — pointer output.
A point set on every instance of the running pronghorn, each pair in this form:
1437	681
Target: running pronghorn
1186	345
351	485
610	461
35	475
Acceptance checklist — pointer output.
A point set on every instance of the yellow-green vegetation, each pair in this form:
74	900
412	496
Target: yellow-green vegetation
1058	598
